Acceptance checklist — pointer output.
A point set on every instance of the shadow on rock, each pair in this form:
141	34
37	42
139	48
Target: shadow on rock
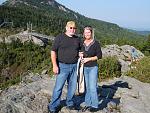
107	99
106	95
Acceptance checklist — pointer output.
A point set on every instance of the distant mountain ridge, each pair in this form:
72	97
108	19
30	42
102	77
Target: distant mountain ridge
34	3
143	32
38	4
49	17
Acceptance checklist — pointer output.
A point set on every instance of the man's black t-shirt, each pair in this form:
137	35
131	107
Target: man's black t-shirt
67	48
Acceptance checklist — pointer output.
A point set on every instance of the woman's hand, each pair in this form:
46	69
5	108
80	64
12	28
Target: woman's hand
86	60
81	54
90	59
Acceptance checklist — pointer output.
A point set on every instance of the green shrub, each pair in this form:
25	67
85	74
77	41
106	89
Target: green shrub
142	70
10	82
109	67
21	58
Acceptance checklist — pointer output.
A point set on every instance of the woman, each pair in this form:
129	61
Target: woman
91	53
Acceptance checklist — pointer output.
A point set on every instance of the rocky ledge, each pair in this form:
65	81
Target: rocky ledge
32	95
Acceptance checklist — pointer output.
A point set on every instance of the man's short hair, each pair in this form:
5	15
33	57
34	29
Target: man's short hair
71	24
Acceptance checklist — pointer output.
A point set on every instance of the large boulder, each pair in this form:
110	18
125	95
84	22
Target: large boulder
122	53
26	36
119	51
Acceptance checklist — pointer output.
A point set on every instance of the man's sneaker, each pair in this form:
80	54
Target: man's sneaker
86	108
72	108
50	111
92	109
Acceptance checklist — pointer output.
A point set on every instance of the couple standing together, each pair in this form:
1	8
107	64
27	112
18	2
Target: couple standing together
64	55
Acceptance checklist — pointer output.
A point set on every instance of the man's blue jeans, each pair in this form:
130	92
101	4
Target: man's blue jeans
66	72
91	96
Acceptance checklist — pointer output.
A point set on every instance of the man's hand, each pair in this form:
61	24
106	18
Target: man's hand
55	70
54	62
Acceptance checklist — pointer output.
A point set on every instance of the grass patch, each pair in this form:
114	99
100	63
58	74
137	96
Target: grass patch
142	70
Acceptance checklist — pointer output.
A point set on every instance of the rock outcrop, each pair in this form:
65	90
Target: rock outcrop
26	36
121	52
32	95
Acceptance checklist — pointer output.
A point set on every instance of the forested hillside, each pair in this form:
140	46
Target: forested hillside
52	22
49	17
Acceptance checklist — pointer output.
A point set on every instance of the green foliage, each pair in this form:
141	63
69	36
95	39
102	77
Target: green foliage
10	82
51	21
21	58
28	56
142	70
146	46
4	32
109	67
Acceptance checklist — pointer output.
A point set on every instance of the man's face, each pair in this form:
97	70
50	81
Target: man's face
70	30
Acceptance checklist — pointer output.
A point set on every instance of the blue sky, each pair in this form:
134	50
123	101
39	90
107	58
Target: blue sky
134	14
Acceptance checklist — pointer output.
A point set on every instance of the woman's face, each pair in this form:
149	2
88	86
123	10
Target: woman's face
87	34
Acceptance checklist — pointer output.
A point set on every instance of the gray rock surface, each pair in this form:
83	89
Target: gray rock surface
121	52
26	36
32	95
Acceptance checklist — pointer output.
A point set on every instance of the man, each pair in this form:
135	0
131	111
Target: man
64	56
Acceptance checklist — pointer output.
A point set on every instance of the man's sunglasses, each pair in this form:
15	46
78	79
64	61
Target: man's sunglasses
73	28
